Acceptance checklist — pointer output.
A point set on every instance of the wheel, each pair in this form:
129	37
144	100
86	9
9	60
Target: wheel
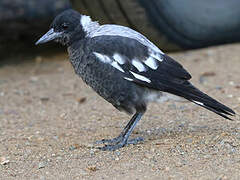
172	25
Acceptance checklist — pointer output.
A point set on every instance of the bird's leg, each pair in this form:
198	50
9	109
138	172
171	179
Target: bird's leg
122	139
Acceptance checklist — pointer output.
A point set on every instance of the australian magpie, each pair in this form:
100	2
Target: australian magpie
125	68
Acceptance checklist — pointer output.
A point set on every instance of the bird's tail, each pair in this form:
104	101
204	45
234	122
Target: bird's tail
194	95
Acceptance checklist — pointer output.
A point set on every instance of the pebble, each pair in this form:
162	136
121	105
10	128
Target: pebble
63	115
207	74
73	147
42	165
117	153
81	100
202	80
219	87
4	161
44	99
230	95
59	158
231	83
167	168
189	140
92	168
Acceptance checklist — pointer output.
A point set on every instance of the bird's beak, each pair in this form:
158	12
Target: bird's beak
50	35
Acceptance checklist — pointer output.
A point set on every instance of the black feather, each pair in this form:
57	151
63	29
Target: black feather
170	76
189	92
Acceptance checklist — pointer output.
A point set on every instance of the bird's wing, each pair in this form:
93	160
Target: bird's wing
148	67
137	62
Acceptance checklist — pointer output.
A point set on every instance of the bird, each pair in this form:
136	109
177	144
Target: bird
125	68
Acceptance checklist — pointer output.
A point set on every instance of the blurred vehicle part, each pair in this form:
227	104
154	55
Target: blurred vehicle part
172	25
23	21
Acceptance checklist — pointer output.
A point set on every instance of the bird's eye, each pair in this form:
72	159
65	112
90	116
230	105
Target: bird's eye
64	26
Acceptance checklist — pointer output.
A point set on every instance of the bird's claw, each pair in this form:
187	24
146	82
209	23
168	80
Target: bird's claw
117	143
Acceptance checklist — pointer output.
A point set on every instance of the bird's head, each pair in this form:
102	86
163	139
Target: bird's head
67	27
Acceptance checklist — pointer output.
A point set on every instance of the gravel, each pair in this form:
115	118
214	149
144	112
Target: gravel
50	120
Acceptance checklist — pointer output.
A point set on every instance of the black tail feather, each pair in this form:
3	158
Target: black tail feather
189	92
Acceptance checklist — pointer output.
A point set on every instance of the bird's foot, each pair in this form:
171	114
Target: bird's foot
116	143
110	141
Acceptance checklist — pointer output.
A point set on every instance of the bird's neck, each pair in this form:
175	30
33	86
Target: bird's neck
89	26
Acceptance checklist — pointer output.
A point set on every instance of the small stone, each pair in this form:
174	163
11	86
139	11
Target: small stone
231	83
219	87
202	80
42	165
4	161
59	158
27	143
44	99
189	140
89	145
167	168
73	147
2	93
152	150
81	100
63	115
55	137
207	74
117	153
92	168
92	151
230	95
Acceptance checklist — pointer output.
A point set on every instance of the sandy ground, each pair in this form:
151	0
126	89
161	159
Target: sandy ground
49	120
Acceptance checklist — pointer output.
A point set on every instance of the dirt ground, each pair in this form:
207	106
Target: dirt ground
49	120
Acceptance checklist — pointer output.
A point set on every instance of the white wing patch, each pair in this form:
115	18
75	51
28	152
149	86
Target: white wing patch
199	103
107	60
103	58
129	79
119	58
140	67
115	64
151	62
140	77
155	55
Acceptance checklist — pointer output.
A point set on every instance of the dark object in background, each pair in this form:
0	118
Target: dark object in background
22	21
171	24
125	68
